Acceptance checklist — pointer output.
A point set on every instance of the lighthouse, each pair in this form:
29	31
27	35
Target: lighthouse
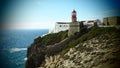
74	18
74	26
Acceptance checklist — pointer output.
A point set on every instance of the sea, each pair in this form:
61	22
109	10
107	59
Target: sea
14	44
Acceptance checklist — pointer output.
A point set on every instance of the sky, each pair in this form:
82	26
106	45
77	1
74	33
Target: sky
43	14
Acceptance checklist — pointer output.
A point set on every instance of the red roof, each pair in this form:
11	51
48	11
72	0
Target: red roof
91	21
83	21
63	23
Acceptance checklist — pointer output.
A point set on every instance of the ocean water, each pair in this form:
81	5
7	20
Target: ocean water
13	46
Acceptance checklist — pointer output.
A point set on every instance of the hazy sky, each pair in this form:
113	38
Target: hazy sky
33	14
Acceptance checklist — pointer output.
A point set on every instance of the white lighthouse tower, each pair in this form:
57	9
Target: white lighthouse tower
74	25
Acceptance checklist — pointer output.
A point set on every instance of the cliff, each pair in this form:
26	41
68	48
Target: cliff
97	47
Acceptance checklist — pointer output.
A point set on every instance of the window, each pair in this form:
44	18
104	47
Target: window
60	25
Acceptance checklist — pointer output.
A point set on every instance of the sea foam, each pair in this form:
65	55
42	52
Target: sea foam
17	49
25	58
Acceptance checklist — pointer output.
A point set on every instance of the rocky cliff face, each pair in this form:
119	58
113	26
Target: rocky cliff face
94	53
96	48
45	46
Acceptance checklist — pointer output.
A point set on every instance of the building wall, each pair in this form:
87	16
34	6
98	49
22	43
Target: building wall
74	27
61	26
105	21
112	20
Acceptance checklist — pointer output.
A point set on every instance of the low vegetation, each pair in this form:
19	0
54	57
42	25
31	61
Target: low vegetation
110	33
53	38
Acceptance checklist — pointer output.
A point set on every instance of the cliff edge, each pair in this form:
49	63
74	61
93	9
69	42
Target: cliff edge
98	47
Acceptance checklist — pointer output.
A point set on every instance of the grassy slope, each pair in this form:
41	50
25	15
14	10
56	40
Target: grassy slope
51	39
110	33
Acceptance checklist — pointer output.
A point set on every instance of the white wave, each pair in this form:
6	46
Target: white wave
25	58
17	49
45	34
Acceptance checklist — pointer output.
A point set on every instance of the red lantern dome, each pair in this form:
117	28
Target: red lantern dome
73	11
74	16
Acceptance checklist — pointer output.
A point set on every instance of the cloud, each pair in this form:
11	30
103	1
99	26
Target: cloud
32	25
112	11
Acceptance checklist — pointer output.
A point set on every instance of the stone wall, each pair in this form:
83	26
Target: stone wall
112	20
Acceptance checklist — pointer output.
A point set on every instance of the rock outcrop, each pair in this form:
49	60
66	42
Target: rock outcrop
94	53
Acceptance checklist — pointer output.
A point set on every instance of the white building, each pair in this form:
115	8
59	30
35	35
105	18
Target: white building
61	26
73	26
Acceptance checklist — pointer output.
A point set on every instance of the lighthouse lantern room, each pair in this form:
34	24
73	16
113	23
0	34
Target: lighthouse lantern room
74	18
